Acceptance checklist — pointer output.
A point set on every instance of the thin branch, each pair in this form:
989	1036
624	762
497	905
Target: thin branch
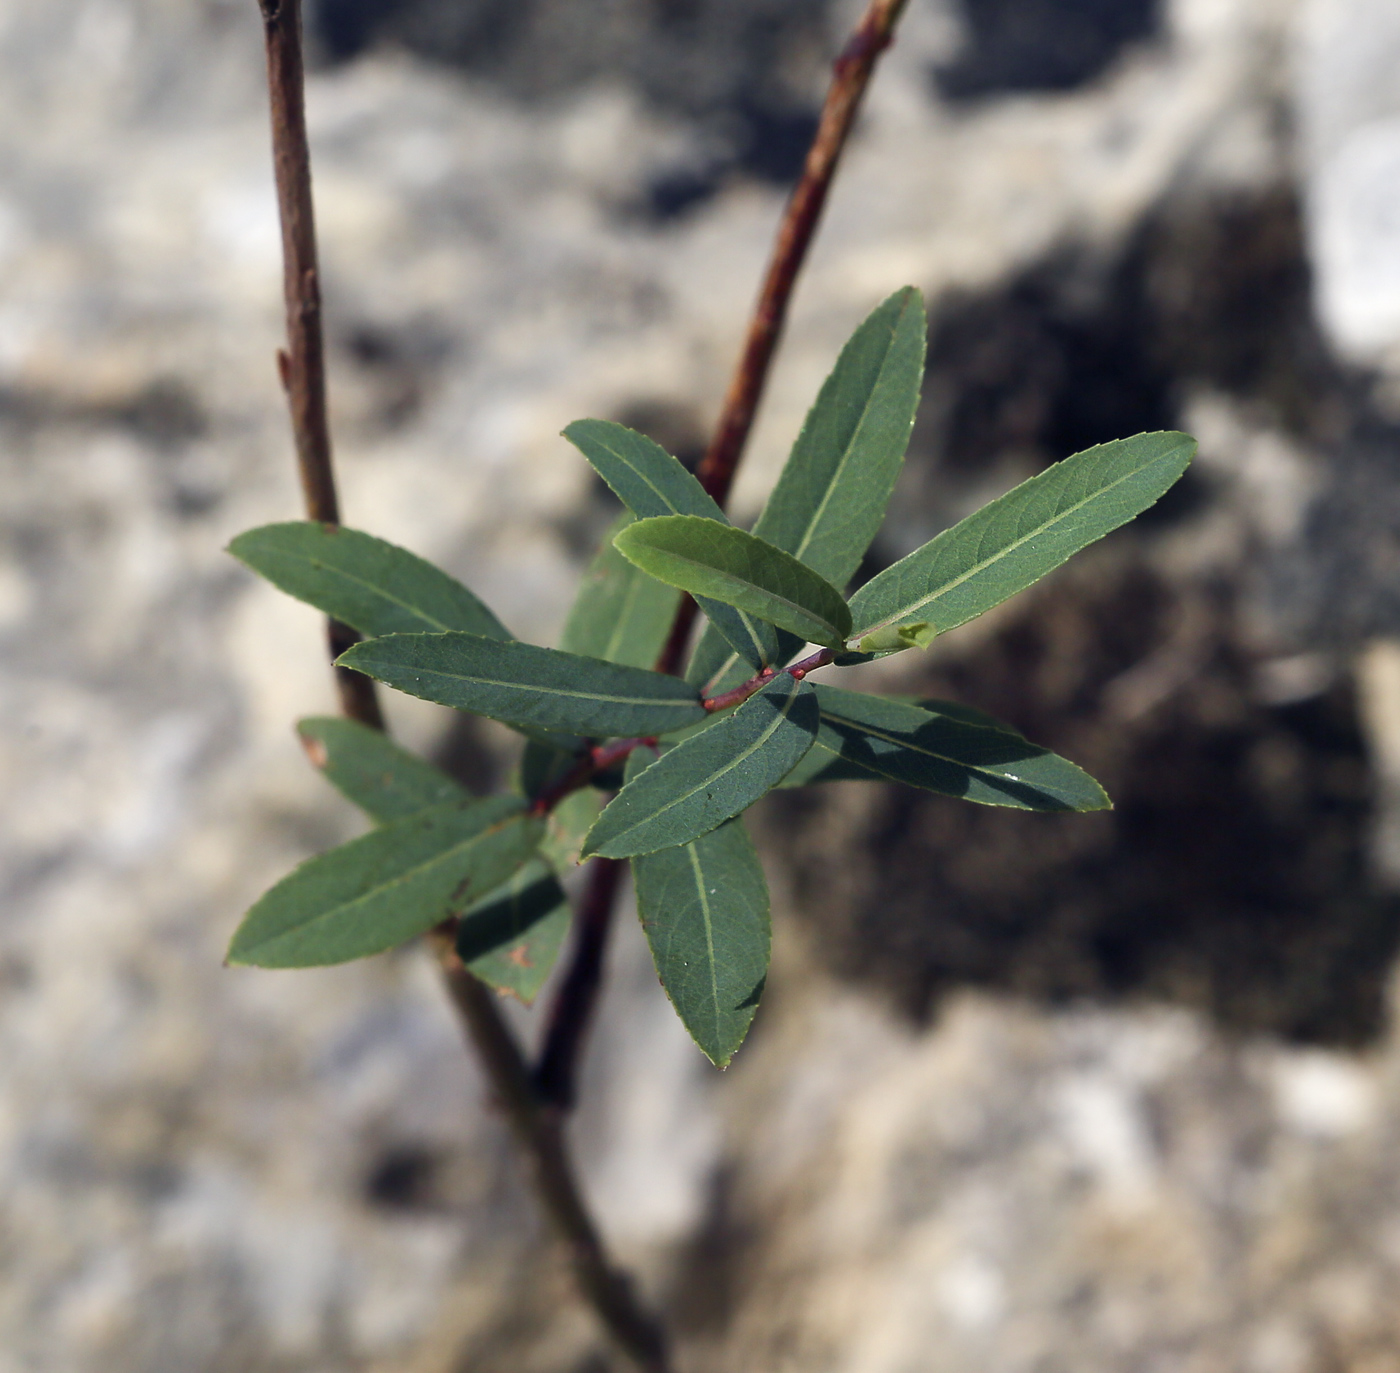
744	690
302	370
302	365
852	75
569	1013
539	1131
853	70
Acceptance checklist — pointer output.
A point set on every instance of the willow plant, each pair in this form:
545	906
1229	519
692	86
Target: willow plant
624	762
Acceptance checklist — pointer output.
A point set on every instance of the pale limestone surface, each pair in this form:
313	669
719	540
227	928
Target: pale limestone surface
184	1148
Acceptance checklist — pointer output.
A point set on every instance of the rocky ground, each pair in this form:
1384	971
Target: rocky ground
1113	1093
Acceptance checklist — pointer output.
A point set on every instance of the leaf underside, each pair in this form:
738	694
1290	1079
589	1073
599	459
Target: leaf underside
726	564
511	938
620	614
366	766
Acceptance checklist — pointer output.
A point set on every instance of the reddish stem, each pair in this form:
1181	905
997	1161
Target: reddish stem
598	759
852	74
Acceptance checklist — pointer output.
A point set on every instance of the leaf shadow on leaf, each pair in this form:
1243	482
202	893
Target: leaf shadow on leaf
979	747
755	996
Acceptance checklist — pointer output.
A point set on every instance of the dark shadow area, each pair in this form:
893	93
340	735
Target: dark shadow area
1233	874
747	74
1042	45
1082	347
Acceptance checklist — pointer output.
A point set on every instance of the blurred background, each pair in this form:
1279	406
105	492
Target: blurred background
1109	1093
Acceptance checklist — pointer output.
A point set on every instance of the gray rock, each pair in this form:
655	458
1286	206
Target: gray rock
209	1169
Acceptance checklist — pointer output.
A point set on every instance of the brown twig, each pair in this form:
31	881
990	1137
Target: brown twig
539	1130
853	69
871	37
555	1076
302	370
302	364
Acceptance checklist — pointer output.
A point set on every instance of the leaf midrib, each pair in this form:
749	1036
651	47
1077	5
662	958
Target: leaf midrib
915	606
533	688
652	486
699	874
375	589
850	446
711	778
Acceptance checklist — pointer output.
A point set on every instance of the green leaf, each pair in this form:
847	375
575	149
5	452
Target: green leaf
372	586
830	499
641	473
650	482
620	615
873	737
511	939
1011	543
714	666
543	766
711	776
704	907
388	783
756	642
369	769
728	565
526	685
387	886
566	827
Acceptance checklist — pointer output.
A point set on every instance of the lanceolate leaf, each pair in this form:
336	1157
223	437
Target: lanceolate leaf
650	482
387	886
704	907
727	564
642	474
831	497
621	615
388	783
711	776
873	737
511	939
1013	542
526	685
369	769
372	586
